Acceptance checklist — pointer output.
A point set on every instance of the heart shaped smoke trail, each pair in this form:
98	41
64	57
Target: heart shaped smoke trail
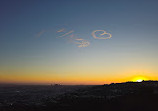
103	35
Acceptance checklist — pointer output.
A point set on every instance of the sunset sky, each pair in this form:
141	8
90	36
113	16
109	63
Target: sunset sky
52	41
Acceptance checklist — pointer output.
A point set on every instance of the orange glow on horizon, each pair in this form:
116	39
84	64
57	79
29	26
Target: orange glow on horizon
80	78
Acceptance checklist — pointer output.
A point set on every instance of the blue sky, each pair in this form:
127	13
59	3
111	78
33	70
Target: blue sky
132	23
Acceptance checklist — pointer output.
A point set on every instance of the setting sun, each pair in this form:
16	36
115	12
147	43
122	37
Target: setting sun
139	79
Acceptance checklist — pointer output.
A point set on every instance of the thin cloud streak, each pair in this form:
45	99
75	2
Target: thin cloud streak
66	33
40	33
61	30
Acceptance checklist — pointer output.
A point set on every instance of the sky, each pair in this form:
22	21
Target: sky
78	41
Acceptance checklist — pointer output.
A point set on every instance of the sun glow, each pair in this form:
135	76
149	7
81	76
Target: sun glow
139	79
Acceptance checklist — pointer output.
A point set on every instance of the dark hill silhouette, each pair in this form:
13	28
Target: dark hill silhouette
128	96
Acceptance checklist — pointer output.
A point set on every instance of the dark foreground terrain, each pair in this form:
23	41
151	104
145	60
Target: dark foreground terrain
127	96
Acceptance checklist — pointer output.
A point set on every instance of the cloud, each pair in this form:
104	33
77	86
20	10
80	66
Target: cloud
40	33
61	30
79	39
82	43
66	33
103	35
72	36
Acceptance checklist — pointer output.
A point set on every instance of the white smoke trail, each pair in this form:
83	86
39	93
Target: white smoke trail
102	36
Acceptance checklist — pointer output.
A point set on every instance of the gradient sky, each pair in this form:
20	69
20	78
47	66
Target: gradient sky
31	50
